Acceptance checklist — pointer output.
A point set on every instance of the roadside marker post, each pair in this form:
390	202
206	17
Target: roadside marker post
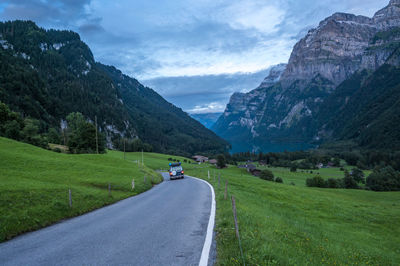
70	198
133	184
208	174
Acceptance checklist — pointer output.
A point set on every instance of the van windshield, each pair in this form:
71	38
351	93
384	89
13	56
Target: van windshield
176	168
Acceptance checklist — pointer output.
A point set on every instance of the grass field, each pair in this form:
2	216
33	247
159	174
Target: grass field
284	224
34	185
295	225
299	177
279	224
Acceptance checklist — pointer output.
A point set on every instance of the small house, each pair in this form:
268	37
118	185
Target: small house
213	161
200	158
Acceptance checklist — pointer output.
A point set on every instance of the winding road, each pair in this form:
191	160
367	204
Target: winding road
171	224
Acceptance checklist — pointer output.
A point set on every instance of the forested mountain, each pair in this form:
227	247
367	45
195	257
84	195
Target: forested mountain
47	74
340	84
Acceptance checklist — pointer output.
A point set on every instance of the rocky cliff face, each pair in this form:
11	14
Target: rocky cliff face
284	109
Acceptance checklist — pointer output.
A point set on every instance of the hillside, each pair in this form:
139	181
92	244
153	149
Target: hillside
47	74
302	106
34	185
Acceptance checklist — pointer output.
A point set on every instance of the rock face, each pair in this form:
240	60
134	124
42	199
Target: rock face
333	50
283	109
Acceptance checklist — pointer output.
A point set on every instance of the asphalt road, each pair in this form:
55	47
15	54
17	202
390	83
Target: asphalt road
166	225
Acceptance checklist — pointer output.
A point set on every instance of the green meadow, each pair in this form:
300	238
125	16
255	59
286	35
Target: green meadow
284	224
35	183
279	224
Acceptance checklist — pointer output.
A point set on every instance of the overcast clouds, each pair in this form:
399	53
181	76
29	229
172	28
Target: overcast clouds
148	39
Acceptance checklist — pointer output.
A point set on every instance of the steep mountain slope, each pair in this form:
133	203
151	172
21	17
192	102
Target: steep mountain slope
49	74
340	47
365	108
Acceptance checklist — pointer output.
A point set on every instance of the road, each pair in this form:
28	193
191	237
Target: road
166	225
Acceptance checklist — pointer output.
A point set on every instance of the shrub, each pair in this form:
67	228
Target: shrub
349	181
278	180
333	183
293	168
384	179
316	181
221	161
267	175
57	150
292	183
358	175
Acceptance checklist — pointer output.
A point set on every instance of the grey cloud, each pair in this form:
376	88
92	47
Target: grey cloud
190	91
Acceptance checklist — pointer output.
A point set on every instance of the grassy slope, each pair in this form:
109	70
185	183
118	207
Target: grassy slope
34	185
284	224
299	177
279	223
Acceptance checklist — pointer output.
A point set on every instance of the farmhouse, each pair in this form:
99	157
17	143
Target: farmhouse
200	158
213	161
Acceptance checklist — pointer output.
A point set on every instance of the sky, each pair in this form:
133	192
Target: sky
153	39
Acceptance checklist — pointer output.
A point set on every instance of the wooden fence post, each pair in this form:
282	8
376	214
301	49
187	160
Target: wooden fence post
237	227
226	189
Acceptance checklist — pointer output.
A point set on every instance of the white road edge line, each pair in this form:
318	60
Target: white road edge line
205	253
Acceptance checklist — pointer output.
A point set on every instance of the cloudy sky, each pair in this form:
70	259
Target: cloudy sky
150	39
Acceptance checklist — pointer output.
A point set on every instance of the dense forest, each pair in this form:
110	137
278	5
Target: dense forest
48	74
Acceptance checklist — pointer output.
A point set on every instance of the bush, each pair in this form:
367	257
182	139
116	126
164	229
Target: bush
384	179
292	183
293	168
57	150
267	175
316	181
333	183
349	181
358	175
221	161
278	180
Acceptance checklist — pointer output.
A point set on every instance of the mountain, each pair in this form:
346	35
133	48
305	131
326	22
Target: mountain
47	74
336	53
207	119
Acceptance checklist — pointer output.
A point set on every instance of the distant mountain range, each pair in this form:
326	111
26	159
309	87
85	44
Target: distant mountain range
47	74
207	119
342	82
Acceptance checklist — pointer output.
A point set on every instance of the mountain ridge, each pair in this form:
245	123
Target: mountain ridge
47	74
341	46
